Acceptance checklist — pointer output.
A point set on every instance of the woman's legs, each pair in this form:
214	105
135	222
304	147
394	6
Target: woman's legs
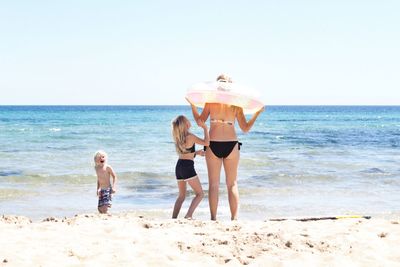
214	165
231	164
198	190
180	199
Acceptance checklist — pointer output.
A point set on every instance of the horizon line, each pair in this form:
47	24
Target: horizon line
174	105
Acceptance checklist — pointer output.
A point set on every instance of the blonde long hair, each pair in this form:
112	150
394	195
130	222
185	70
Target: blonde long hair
179	133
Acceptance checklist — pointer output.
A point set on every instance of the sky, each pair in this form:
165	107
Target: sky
150	52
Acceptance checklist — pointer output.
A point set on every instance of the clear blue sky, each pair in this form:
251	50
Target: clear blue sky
149	52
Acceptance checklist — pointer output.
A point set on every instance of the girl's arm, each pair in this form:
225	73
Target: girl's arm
246	125
200	117
204	142
112	173
200	152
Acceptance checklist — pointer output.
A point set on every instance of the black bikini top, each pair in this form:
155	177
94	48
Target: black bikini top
191	149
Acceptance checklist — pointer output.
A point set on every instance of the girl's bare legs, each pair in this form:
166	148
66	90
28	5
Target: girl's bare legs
180	199
198	190
214	165
231	167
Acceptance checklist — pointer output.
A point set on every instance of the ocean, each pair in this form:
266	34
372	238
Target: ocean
296	161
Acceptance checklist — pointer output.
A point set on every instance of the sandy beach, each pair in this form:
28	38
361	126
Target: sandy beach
134	239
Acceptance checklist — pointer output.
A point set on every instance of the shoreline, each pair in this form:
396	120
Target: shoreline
132	238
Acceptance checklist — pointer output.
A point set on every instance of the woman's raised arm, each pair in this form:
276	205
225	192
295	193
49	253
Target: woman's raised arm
246	125
204	114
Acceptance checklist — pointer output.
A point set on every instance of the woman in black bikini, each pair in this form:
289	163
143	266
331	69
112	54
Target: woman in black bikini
224	148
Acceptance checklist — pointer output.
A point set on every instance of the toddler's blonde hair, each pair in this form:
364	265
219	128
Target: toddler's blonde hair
99	153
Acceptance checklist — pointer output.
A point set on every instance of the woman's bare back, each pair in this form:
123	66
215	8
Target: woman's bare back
222	122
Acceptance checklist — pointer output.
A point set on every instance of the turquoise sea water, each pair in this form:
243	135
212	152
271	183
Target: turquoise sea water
296	161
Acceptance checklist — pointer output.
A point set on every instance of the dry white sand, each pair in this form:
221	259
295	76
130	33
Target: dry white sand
131	239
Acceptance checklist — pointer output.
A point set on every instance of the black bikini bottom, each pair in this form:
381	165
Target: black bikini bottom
222	149
185	169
